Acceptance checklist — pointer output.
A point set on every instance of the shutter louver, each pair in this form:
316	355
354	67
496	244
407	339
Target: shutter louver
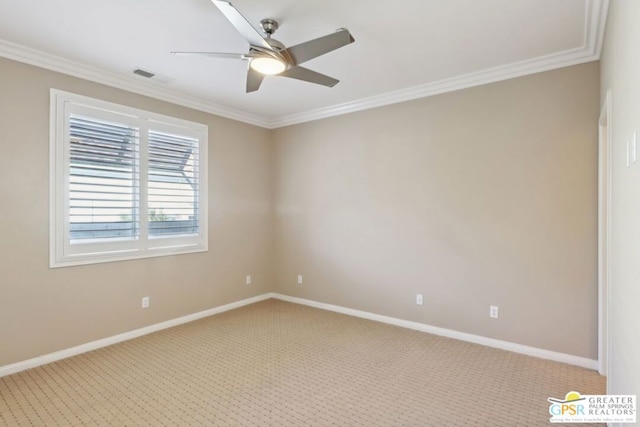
102	180
173	181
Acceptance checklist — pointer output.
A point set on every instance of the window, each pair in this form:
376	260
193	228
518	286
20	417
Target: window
125	183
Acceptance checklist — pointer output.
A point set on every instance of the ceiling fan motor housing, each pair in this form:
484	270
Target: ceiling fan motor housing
269	26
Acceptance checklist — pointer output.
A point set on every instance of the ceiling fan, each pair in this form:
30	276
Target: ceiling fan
268	56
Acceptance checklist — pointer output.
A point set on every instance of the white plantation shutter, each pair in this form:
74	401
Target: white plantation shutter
173	184
103	196
125	183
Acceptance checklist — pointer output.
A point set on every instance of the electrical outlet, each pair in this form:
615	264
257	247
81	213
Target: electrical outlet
299	279
145	302
247	280
493	311
419	300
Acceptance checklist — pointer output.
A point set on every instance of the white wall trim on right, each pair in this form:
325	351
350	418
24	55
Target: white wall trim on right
449	333
604	233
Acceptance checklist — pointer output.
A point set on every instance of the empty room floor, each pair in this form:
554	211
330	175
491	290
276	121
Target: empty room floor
275	363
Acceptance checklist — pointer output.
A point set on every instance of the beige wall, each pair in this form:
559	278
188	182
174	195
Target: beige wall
477	197
621	75
43	310
485	196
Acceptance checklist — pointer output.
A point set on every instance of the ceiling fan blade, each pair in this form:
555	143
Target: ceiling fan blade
242	25
307	75
254	79
312	49
213	54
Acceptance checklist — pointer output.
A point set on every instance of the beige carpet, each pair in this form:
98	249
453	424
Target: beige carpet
281	364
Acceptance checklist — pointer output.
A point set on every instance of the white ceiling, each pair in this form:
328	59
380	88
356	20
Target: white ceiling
403	50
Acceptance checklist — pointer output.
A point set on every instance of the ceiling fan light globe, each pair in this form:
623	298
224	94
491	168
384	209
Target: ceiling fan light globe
268	66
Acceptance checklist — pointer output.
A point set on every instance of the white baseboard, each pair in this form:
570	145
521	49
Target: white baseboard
489	342
477	339
94	345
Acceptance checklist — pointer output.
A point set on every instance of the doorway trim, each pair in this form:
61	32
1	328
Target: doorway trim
604	234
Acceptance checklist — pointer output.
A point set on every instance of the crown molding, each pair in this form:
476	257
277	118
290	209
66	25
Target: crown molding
58	64
492	75
593	36
599	24
594	26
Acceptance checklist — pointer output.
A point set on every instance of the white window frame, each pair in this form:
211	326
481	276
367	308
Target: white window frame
61	252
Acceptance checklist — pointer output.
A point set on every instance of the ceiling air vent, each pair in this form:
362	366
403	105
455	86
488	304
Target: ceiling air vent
143	73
